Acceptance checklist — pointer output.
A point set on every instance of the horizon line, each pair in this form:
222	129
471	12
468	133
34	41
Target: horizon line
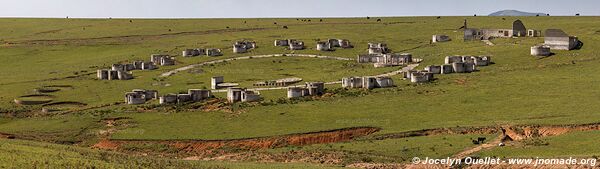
284	17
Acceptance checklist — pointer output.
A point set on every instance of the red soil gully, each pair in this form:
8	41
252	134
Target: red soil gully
201	146
515	133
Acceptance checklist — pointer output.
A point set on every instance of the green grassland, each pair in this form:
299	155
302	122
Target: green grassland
250	71
576	145
397	150
28	154
517	89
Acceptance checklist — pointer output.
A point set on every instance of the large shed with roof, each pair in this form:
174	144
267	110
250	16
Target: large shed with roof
559	40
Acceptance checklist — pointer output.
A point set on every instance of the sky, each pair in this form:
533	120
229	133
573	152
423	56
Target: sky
284	8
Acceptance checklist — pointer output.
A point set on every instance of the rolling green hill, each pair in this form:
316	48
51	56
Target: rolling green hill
518	89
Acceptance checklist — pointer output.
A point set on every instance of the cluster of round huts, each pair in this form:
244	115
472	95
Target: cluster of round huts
453	64
200	52
330	44
377	54
367	82
292	44
193	95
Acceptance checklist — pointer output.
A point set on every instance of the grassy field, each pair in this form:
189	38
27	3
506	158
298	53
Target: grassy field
517	89
576	145
397	150
28	154
250	71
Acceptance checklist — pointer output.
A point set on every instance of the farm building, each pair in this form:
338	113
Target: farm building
446	69
534	33
478	60
146	65
310	89
433	69
104	74
199	94
540	50
484	34
463	67
334	42
213	52
315	88
280	42
518	30
168	99
453	64
279	82
472	34
419	76
239	49
368	58
193	95
163	60
559	40
140	96
218	82
378	48
386	60
440	38
120	67
236	94
293	92
215	81
243	46
136	65
343	43
463	64
193	52
368	82
324	46
292	44
121	71
296	45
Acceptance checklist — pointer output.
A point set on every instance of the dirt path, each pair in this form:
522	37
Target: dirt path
515	133
404	69
274	88
172	72
469	151
518	133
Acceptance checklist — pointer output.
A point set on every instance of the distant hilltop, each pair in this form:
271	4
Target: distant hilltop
515	13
